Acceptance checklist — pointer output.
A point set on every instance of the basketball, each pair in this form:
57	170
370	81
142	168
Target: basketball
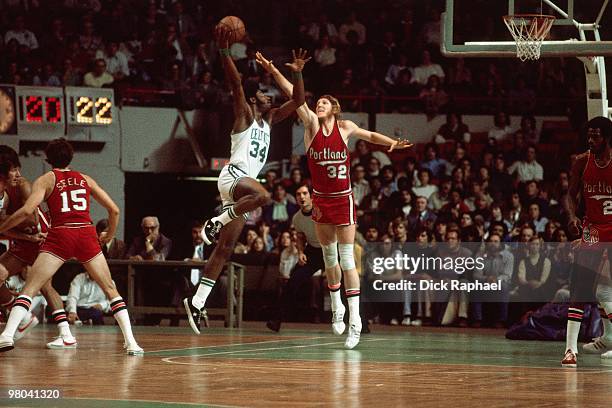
236	27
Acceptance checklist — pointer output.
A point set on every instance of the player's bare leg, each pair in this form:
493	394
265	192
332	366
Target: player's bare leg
346	242
249	195
98	270
43	269
194	306
326	233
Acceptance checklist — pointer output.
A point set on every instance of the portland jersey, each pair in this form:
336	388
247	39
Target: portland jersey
69	201
597	192
250	148
329	164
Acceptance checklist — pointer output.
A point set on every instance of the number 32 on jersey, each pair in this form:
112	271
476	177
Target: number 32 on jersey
338	172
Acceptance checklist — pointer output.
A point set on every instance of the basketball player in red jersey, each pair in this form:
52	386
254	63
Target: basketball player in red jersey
25	241
591	180
325	140
71	235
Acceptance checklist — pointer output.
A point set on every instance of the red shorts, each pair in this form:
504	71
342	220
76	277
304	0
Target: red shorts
66	243
334	210
596	236
25	251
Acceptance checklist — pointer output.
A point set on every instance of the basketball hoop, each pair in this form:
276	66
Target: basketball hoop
529	30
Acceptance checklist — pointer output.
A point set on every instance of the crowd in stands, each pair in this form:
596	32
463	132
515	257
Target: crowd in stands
360	49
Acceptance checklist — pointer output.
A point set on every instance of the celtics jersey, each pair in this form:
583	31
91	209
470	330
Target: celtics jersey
250	148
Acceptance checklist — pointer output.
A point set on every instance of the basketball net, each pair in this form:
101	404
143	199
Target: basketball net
529	30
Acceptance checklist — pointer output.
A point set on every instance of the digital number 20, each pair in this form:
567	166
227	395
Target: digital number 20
339	172
77	200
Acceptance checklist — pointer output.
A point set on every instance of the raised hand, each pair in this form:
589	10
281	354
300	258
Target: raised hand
400	144
299	60
267	65
222	36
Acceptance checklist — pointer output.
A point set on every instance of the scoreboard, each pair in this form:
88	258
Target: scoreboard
45	113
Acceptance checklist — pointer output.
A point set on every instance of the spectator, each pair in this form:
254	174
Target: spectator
535	217
501	182
86	300
20	33
430	33
71	75
113	249
288	255
352	24
441	197
425	189
405	87
202	62
360	185
437	166
528	129
394	69
207	93
522	98
460	77
295	181
278	214
263	231
421	216
323	27
269	88
423	72
249	237
183	22
47	77
116	61
89	41
501	129
389	185
271	180
527	169
98	77
533	274
498	266
433	96
325	57
248	67
453	130
151	245
373	169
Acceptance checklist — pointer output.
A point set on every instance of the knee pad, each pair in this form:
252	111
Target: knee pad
347	257
330	255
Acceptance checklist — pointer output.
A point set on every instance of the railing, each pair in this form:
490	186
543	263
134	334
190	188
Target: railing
235	288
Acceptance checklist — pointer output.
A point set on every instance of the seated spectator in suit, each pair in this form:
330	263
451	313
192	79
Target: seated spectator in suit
86	300
151	245
421	216
115	248
278	214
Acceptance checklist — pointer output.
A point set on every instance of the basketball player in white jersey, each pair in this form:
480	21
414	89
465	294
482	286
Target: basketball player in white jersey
240	191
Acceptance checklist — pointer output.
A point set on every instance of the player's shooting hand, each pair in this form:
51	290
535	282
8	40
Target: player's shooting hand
222	36
302	259
299	60
267	65
400	144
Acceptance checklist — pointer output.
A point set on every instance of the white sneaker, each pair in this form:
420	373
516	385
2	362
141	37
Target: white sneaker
354	334
134	350
6	343
63	342
338	325
406	321
26	325
597	346
607	355
416	322
394	322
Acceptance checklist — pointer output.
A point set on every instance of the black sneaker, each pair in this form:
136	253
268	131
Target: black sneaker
195	315
274	325
211	231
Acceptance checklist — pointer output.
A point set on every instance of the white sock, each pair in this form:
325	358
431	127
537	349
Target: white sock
123	318
352	297
336	300
607	321
226	216
573	328
64	329
21	307
204	288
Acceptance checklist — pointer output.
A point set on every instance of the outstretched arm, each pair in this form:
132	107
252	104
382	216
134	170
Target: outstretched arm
306	115
39	190
242	112
297	97
105	201
374	137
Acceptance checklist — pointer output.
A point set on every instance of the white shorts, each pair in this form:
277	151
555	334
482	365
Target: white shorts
228	179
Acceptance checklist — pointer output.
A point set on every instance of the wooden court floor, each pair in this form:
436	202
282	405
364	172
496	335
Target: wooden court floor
304	365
